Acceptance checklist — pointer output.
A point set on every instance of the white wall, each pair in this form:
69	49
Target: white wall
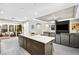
48	26
26	28
43	28
34	22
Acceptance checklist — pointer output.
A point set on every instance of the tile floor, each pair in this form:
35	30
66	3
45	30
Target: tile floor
11	47
65	50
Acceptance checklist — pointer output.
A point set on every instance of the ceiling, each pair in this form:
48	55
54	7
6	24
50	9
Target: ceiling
24	11
61	14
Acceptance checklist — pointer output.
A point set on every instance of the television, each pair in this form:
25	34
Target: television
62	27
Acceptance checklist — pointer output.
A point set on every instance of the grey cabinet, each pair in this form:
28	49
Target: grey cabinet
74	40
58	38
35	47
28	45
46	33
68	39
24	43
48	49
52	34
0	46
21	41
65	38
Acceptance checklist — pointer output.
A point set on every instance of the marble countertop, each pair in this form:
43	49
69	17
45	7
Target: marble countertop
42	39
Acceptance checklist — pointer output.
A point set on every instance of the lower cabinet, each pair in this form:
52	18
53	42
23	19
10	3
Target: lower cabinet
58	38
64	38
46	33
52	34
28	45
21	41
35	47
49	48
24	43
74	40
0	46
67	39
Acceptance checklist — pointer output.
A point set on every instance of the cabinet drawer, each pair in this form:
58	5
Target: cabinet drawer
74	41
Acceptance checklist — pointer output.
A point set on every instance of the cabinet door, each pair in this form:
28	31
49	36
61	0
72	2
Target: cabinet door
37	48
21	42
74	40
58	38
52	34
24	43
28	45
0	46
65	39
49	48
46	33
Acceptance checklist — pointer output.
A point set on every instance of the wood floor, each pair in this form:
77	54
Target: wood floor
11	47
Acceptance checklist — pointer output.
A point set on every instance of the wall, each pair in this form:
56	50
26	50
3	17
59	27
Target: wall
26	28
33	23
48	26
45	26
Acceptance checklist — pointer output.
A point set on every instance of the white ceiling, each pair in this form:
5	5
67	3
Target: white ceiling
61	14
29	10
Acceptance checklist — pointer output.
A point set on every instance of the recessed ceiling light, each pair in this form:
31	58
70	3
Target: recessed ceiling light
36	13
1	12
25	18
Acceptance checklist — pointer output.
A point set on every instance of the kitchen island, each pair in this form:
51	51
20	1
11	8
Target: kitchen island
37	45
0	46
